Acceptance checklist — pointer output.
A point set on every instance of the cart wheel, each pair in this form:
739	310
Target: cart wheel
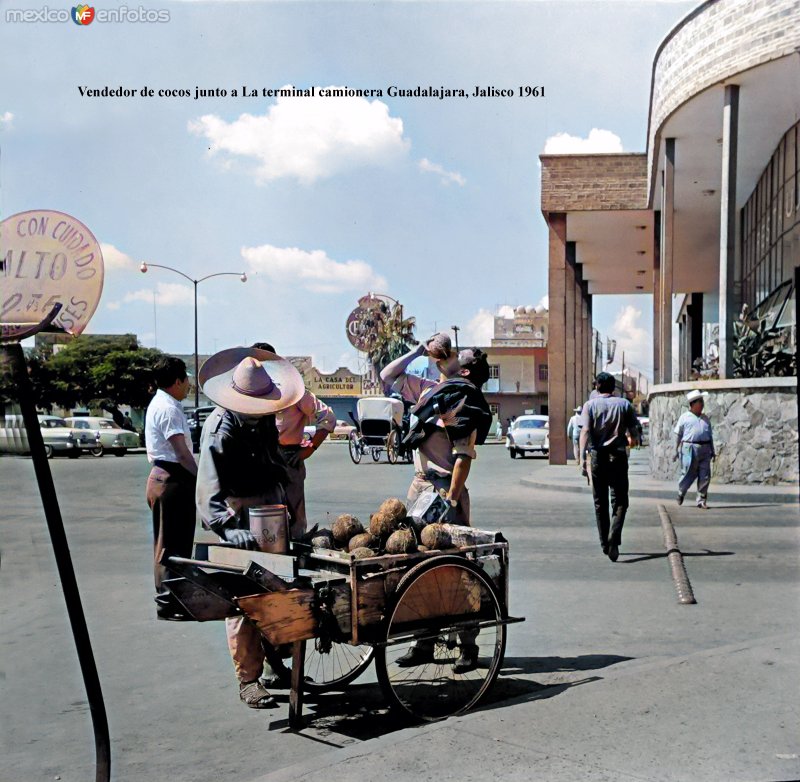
435	602
325	671
376	454
391	447
354	446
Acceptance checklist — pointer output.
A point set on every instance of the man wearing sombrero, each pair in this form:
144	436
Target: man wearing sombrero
240	467
695	448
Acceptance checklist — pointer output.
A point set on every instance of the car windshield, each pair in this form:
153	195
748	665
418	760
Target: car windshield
531	423
106	425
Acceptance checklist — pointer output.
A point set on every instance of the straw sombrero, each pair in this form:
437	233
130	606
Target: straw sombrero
251	381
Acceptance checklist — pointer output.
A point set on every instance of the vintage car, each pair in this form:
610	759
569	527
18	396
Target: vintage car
529	434
60	437
107	436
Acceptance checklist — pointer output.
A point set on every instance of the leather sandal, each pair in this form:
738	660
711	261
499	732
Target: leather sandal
254	695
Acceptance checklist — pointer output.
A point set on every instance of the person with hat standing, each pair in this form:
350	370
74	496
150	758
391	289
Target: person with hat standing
694	446
290	422
574	433
604	422
241	467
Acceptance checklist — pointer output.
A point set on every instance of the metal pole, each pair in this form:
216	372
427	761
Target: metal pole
196	368
66	571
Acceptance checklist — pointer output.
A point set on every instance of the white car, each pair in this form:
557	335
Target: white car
109	437
60	437
529	434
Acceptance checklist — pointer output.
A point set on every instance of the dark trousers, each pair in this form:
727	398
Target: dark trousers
171	501
609	473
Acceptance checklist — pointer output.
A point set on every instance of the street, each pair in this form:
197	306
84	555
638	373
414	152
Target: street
608	678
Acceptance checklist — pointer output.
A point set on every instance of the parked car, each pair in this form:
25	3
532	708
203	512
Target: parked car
60	437
109	437
197	418
645	423
529	434
342	430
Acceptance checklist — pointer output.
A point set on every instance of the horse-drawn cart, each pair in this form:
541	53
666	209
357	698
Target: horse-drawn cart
337	613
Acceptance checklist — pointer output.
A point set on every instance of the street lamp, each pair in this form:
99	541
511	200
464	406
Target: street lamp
241	275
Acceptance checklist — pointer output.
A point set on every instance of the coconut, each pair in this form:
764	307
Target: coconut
439	346
363	540
393	508
362	553
435	536
381	525
344	528
422	548
401	542
323	539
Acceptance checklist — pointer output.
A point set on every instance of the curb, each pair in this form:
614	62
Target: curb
765	495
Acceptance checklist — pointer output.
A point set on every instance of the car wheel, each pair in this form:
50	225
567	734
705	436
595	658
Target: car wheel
120	451
98	450
48	450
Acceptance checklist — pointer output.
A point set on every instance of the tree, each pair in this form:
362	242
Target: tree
394	336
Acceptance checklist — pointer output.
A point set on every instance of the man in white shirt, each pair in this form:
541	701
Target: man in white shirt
172	479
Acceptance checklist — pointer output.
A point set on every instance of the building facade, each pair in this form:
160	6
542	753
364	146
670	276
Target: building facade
706	221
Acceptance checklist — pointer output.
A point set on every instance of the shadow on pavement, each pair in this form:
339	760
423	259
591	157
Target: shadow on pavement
360	712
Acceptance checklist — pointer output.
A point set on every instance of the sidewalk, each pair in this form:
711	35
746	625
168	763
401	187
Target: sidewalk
567	478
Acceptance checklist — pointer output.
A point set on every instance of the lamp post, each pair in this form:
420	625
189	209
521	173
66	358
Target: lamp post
241	275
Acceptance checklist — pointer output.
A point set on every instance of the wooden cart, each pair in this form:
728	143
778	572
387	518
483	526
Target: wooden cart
337	614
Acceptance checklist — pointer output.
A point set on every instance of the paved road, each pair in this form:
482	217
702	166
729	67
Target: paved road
609	678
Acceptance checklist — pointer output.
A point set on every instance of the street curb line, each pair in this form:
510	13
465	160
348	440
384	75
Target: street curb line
750	498
679	576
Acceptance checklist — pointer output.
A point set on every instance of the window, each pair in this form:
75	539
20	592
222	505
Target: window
494	409
106	425
532	423
80	424
494	371
542	371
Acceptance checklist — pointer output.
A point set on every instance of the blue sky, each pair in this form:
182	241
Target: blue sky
434	202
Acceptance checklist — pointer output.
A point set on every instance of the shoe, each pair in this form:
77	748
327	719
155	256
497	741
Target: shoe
275	682
680	499
254	695
613	552
467	660
702	504
605	550
418	654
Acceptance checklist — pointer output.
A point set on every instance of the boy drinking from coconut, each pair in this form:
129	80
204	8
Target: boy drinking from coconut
448	419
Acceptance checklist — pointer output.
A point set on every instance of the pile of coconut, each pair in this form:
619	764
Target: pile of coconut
390	531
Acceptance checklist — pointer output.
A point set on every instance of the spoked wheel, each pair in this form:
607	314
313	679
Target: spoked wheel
354	446
391	447
442	606
376	454
329	670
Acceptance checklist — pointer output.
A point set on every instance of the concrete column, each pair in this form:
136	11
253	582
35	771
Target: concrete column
657	297
729	285
667	250
557	342
571	288
586	343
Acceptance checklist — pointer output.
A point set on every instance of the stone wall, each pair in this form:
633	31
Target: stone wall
754	424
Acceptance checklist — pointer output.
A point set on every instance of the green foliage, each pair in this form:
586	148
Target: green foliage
92	371
394	337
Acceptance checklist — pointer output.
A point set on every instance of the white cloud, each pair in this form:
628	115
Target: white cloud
631	338
308	139
114	258
313	270
597	141
506	311
544	302
167	294
6	120
479	330
447	177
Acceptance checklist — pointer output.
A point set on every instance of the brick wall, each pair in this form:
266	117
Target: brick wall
593	182
722	39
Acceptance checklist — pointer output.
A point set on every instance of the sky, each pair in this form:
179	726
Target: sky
434	202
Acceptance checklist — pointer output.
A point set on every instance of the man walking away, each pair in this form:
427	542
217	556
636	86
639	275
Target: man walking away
604	422
574	433
695	448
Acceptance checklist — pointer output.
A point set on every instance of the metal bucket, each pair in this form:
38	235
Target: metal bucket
270	526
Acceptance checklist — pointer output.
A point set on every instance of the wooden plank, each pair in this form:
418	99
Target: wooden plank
281	565
370	602
200	604
266	578
282	617
298	677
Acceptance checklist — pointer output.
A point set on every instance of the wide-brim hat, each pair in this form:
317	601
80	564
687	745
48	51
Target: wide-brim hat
693	396
251	381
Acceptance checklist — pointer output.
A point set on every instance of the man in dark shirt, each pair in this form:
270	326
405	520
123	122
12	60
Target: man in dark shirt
604	422
240	467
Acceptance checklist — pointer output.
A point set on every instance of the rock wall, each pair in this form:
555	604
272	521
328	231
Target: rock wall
755	432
